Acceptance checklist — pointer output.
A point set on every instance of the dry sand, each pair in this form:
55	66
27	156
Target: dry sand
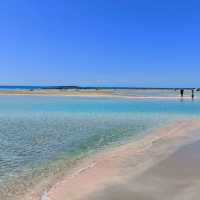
57	92
152	168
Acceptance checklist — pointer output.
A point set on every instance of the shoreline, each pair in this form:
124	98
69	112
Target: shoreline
97	172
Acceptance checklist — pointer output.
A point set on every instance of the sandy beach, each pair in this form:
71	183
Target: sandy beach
176	177
139	94
163	165
57	92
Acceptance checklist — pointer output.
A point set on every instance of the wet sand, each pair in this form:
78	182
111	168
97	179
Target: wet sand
177	178
156	167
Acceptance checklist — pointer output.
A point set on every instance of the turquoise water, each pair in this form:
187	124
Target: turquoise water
39	134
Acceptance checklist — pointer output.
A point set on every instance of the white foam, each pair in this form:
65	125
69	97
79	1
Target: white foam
45	196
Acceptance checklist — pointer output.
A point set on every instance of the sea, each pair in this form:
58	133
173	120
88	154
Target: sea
44	135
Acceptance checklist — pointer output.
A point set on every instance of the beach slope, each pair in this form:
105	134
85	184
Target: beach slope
155	167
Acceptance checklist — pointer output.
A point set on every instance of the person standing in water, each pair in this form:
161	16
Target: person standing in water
182	92
192	94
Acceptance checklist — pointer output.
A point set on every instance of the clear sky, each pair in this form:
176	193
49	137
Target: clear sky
100	42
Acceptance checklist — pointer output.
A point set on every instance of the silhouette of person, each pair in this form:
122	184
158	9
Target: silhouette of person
182	92
192	93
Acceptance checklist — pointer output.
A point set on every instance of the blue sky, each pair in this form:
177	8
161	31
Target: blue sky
100	42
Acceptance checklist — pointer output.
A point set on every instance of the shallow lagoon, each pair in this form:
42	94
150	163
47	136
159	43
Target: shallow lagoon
38	133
